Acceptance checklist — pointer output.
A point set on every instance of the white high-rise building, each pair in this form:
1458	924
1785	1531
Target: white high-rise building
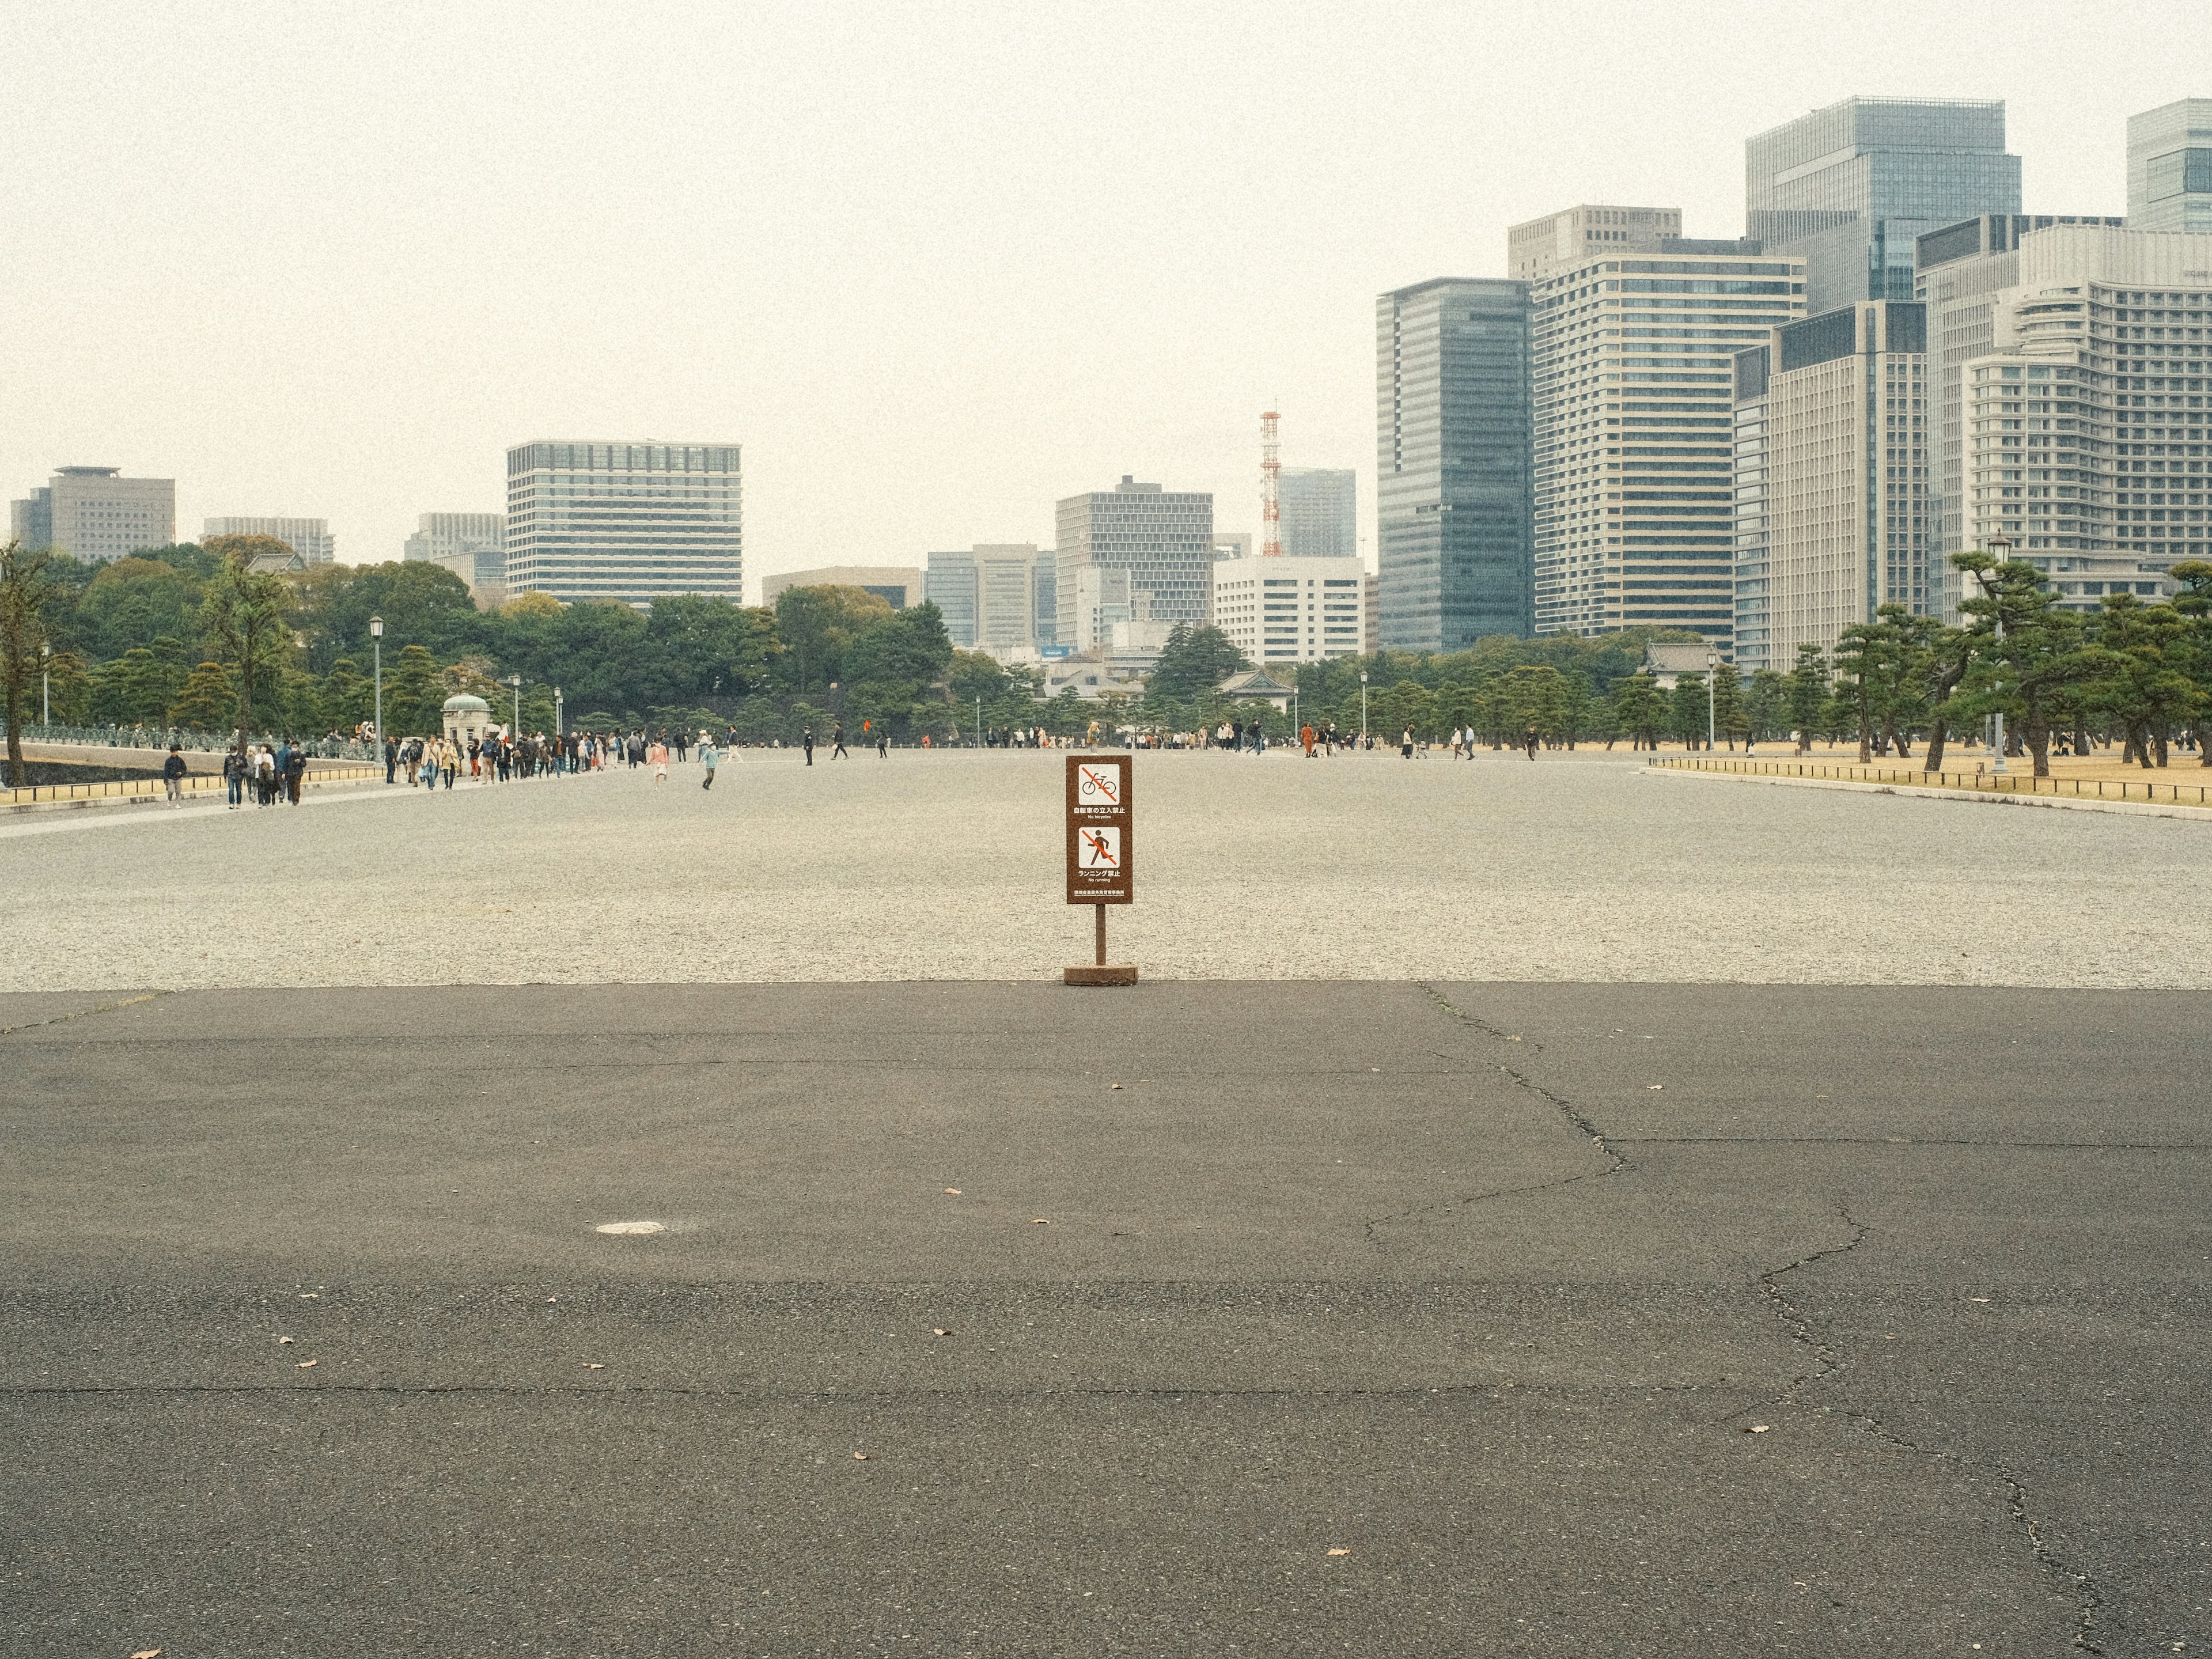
625	521
310	539
93	513
1291	610
1134	557
1831	480
1633	359
2073	382
472	545
2170	167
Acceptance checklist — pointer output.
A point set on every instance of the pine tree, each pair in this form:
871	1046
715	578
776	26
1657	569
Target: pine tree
1808	694
206	703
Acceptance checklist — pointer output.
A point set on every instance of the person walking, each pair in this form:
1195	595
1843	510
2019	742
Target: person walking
234	776
708	759
391	759
1306	737
295	771
1529	742
172	775
882	742
265	777
837	741
806	742
658	756
1406	744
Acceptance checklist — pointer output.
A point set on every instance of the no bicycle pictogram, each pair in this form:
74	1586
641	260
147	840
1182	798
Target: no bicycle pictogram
1098	786
1098	848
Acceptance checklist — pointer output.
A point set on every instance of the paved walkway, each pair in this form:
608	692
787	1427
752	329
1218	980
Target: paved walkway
1358	1318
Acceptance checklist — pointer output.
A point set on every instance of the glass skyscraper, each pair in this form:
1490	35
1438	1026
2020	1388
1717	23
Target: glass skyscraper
1321	512
2170	167
1452	426
623	521
1847	188
1135	553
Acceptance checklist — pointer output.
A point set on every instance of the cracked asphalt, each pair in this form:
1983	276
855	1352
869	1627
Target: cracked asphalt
1368	1318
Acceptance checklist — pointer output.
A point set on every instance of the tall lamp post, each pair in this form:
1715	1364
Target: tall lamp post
2001	545
376	640
515	680
1363	709
45	682
1712	663
979	720
558	728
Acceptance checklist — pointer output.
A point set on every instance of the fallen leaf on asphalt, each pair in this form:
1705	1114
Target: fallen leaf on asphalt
1658	1085
1113	1085
1759	1428
941	1333
1977	1299
1340	1552
955	1191
590	1366
147	1653
310	1296
1039	1221
283	1341
859	1457
305	1363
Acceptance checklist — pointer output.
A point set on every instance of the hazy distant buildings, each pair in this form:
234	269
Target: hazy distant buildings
93	513
2085	330
897	584
1321	512
625	521
2170	167
472	545
1292	610
997	597
1832	422
310	539
1847	188
1632	361
1452	431
1542	247
1130	562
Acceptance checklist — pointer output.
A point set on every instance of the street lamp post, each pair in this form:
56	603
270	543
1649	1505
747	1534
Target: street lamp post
979	720
515	680
2002	546
558	728
1712	663
1363	709
376	640
45	682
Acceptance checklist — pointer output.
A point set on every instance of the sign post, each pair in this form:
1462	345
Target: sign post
1101	852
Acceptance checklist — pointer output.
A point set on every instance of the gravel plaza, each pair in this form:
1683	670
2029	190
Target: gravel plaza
947	867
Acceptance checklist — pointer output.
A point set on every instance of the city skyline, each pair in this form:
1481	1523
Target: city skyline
285	351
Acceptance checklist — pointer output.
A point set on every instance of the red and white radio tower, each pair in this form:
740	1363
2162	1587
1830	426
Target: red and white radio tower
1271	503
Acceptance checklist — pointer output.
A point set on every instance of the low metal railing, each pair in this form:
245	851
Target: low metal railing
156	788
200	743
1987	783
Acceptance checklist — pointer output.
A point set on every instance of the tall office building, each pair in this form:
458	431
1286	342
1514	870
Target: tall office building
310	539
1633	365
93	513
997	597
1542	247
1135	555
1291	609
897	586
1452	427
1849	187
1979	281
624	521
1831	478
2170	167
1320	512
472	545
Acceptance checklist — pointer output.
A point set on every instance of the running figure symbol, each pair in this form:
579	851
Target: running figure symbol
1101	849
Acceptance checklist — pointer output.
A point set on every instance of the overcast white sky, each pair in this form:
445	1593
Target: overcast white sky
934	266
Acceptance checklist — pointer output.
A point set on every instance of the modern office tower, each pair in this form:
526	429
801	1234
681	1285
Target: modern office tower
310	539
949	583
1985	283
1542	247
1847	188
624	521
1633	363
1292	610
1045	592
1321	512
1134	554
1831	478
2170	167
472	545
1754	629
897	584
1452	427
92	513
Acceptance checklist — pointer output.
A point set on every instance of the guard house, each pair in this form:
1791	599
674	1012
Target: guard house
1257	686
468	719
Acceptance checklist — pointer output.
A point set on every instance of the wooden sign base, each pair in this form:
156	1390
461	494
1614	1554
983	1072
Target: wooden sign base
1103	973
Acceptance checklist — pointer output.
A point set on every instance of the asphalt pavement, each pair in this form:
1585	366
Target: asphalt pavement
1284	1318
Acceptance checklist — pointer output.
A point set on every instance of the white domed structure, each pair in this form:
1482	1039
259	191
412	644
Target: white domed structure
467	717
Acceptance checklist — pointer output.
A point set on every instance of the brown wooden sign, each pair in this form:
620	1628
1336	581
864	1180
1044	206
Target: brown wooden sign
1101	830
